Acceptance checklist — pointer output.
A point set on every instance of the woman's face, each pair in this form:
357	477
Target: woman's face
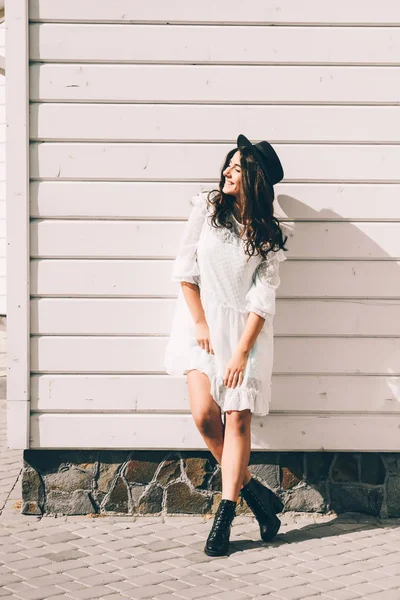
233	176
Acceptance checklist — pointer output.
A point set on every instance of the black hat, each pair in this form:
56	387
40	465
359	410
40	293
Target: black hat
266	157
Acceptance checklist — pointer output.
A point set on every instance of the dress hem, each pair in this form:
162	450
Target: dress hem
244	398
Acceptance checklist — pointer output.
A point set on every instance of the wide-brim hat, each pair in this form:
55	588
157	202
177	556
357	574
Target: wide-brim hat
266	157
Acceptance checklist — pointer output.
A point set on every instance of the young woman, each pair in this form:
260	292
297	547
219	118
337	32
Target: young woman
222	336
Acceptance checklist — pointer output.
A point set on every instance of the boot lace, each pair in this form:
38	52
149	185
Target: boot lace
223	519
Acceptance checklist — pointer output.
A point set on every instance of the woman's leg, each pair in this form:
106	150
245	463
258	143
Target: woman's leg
236	453
207	416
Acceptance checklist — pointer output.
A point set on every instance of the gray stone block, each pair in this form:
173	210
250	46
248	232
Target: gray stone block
180	499
307	499
356	498
393	495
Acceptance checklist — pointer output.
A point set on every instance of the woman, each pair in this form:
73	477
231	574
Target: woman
222	337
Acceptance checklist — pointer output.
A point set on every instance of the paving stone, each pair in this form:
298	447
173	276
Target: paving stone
65	566
81	572
220	576
373	575
388	582
121	586
231	584
156	556
169	596
286	583
9	578
150	579
94	592
342	595
175	585
296	593
394	595
41	593
151	591
245	569
163	545
18	588
228	595
102	579
46	580
255	590
327	585
71	586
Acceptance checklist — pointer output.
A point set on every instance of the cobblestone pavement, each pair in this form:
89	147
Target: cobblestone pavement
313	557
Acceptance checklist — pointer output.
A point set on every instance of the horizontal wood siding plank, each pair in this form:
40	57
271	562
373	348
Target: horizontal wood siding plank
203	83
213	123
166	162
180	11
274	432
227	45
165	393
159	200
154	317
157	239
151	278
112	354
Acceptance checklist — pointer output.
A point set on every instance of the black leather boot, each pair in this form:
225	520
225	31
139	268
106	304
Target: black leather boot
264	504
218	539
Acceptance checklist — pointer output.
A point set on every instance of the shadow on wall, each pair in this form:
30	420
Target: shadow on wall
366	482
336	240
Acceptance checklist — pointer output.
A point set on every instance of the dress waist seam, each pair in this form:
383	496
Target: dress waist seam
219	303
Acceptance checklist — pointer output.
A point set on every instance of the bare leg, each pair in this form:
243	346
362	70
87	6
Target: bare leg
207	416
236	452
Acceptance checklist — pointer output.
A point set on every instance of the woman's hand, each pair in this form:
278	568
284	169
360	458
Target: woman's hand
234	370
203	336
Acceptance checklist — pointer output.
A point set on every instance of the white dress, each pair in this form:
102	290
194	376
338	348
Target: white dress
231	285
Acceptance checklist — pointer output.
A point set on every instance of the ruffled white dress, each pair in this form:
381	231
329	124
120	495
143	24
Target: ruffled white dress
231	284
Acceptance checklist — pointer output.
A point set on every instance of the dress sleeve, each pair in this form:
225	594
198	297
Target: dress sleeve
260	297
185	267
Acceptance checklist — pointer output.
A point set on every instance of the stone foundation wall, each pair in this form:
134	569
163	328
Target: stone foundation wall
156	482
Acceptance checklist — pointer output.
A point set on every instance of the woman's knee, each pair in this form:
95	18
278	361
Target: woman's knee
208	422
238	420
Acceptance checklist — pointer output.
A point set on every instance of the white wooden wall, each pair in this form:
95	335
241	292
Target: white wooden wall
133	108
3	303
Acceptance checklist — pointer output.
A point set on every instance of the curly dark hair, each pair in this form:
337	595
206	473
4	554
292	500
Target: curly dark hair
261	228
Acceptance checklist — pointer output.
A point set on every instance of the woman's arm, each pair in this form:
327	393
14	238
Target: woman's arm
185	267
260	303
234	371
191	294
253	326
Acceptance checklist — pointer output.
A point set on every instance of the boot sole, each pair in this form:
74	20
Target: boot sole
215	552
272	532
